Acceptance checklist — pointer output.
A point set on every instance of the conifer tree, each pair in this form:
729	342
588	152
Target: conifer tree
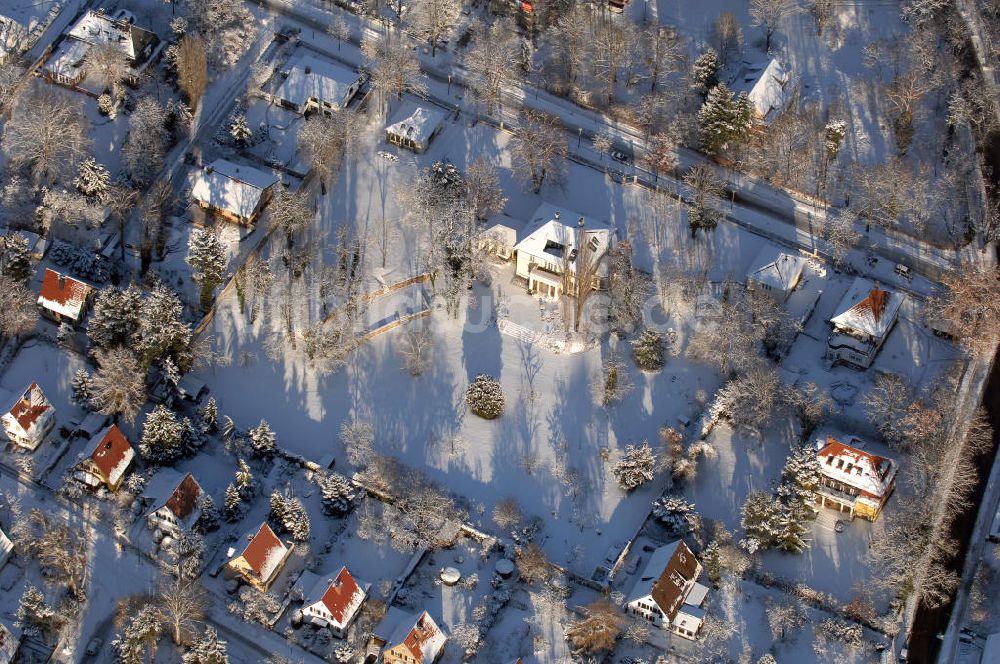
92	179
207	258
705	71
240	131
83	389
635	467
210	415
207	650
15	259
161	436
232	502
263	441
649	350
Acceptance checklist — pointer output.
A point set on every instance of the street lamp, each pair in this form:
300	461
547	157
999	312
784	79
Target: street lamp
579	138
449	85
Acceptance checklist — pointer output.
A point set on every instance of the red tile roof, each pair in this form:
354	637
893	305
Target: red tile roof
874	303
184	498
259	549
62	288
110	451
29	407
668	591
423	631
338	597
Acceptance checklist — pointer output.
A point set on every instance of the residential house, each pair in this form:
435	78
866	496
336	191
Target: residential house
853	480
560	248
262	560
335	602
174	502
107	458
235	192
63	298
865	317
668	594
10	641
22	23
96	29
313	85
416	129
6	548
768	85
29	418
775	272
499	237
408	639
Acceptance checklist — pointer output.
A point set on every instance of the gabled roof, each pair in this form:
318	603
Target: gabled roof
768	86
869	473
417	123
96	28
28	408
184	499
10	639
264	552
868	309
776	268
553	231
310	77
341	596
111	453
63	294
236	188
422	638
668	574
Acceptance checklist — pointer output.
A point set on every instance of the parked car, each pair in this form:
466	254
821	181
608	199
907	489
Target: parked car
94	646
620	156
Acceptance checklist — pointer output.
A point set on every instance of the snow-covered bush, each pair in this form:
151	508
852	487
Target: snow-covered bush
851	634
106	105
485	397
676	514
649	351
635	467
289	515
79	262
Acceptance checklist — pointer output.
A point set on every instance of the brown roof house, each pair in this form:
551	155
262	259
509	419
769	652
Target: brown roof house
853	480
262	559
865	317
174	501
335	602
668	594
106	460
29	418
10	640
63	298
409	639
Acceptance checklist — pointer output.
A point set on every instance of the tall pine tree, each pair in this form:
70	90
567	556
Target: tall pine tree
161	436
207	258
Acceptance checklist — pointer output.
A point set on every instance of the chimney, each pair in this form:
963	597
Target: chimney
308	69
557	214
62	281
580	222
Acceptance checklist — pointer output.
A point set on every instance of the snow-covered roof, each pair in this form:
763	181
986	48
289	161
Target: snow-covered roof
264	553
96	28
502	228
111	452
867	309
775	268
869	473
552	233
697	595
421	637
768	85
175	492
310	77
341	596
28	411
62	294
6	546
68	58
417	123
668	577
236	188
10	639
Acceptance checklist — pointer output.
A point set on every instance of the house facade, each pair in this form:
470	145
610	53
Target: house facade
96	29
853	481
175	499
6	548
335	602
775	273
29	418
106	460
560	248
314	85
62	298
261	561
668	594
417	128
406	638
235	192
866	315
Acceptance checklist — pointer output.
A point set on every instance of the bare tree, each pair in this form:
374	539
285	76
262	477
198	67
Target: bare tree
11	76
18	313
146	145
433	19
613	47
783	616
415	348
840	233
749	401
47	134
192	69
181	605
507	513
492	61
822	12
358	439
539	148
706	188
968	305
340	31
728	37
665	50
533	564
59	550
107	62
324	141
768	15
484	190
394	68
119	386
598	630
290	213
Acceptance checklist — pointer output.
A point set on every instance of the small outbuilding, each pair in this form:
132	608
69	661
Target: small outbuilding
416	129
775	272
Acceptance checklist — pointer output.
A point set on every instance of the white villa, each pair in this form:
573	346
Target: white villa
313	84
668	594
556	245
174	499
235	192
416	129
775	272
28	418
335	602
500	236
768	85
865	317
854	481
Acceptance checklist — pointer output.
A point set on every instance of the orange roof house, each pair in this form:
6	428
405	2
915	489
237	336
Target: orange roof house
866	315
853	480
335	602
108	457
175	501
261	560
28	419
409	639
63	298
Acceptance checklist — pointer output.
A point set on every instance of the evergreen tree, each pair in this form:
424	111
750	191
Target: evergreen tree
139	637
262	440
244	480
289	515
207	650
649	350
207	257
162	330
161	436
210	415
171	376
240	131
33	614
208	520
718	119
834	135
338	493
16	258
711	558
279	509
114	320
83	389
635	467
92	179
788	530
758	521
192	437
705	71
485	397
232	502
676	514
